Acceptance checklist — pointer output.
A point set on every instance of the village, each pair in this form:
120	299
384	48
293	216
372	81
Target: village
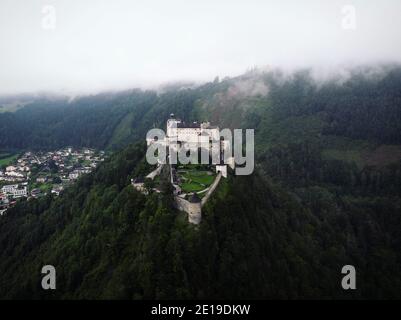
36	174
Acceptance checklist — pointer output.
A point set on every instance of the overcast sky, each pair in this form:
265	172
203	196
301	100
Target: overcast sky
92	45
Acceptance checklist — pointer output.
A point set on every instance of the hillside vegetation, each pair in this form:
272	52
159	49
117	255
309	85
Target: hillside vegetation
325	193
255	241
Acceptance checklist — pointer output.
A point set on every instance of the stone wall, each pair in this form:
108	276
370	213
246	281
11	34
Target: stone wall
211	189
155	172
193	209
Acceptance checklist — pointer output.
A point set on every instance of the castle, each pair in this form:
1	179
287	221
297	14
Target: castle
193	136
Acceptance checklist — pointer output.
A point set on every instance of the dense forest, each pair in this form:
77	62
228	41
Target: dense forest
363	106
101	121
326	192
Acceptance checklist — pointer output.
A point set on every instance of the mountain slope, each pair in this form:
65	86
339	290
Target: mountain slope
325	193
255	241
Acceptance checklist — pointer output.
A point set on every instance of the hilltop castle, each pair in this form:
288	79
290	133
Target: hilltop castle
193	136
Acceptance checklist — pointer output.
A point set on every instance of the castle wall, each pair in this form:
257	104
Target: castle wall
211	189
192	137
155	172
222	169
193	209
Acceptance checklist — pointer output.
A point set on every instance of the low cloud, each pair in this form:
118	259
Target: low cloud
75	47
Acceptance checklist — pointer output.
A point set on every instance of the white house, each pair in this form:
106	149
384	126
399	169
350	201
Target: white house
14	174
11	168
15	190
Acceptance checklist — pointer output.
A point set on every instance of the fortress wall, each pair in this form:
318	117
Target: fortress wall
155	172
211	189
193	209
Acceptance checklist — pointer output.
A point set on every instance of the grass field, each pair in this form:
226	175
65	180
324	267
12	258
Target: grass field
191	187
195	181
348	150
344	155
7	158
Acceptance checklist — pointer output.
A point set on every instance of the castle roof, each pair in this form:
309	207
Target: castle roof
188	125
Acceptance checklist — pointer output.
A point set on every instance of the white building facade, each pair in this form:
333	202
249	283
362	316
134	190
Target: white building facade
15	190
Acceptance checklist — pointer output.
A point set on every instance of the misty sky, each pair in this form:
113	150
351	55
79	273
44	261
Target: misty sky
92	45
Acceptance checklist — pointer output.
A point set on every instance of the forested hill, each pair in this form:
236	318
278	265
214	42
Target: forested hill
256	240
326	192
365	105
111	120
